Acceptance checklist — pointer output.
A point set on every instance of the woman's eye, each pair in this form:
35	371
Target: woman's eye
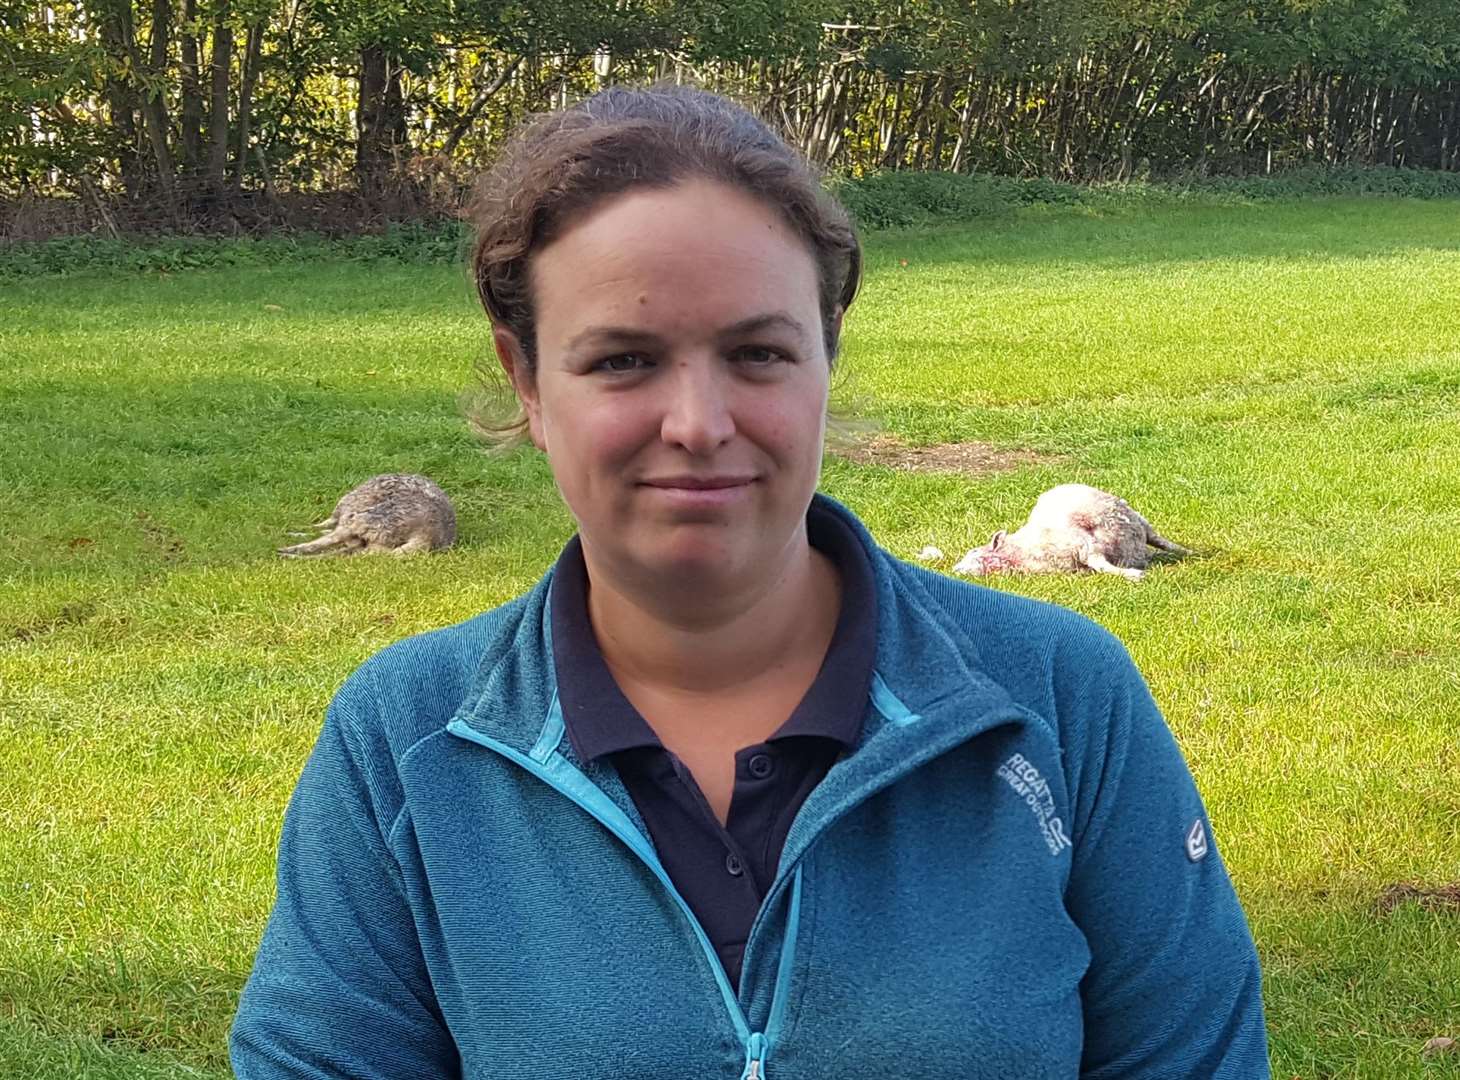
759	355
622	363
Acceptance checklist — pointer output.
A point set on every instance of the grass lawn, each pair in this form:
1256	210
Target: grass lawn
1276	386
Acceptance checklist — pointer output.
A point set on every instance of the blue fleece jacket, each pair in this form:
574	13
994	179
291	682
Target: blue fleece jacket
1011	876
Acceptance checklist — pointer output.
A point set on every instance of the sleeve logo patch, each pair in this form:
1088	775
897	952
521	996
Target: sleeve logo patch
1196	841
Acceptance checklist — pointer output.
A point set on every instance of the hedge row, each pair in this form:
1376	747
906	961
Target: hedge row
878	201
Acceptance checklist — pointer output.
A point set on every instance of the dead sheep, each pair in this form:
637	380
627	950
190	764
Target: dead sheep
1073	527
399	513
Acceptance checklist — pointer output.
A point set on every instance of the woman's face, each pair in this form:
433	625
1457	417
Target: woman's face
682	384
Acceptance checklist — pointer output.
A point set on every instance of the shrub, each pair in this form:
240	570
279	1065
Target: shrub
436	243
912	199
884	200
906	199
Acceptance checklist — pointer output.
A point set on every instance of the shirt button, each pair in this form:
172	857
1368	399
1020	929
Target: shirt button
761	766
733	866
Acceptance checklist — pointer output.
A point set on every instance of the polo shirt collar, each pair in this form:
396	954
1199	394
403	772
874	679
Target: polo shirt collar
601	721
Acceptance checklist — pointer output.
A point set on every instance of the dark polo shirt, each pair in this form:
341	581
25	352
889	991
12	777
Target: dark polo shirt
721	871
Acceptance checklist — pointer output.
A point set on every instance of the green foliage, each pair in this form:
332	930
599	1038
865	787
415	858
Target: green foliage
1027	87
1351	180
910	199
881	200
419	243
42	66
905	199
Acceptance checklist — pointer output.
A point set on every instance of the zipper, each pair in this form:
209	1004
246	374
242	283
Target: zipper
755	1051
554	770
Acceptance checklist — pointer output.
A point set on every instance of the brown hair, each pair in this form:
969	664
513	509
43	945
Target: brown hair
560	165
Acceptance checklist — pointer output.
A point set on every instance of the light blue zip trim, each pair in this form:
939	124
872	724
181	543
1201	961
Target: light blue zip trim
887	704
552	733
780	997
559	773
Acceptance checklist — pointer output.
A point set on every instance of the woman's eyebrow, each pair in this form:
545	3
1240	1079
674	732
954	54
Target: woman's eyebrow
611	335
775	320
625	335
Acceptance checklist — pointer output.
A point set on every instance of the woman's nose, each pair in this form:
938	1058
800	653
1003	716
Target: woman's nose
697	412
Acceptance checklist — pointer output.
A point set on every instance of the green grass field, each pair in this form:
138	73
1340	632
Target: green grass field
1276	386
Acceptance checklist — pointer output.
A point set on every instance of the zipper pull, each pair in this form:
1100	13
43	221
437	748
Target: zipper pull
755	1058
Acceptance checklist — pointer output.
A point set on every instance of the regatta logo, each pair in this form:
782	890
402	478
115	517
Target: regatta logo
1024	778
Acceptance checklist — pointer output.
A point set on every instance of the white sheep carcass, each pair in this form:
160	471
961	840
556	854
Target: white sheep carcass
1073	527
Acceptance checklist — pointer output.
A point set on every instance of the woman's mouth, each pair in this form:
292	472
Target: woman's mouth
700	491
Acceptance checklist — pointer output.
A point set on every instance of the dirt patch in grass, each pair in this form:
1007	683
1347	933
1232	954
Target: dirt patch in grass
1436	898
160	536
68	615
969	458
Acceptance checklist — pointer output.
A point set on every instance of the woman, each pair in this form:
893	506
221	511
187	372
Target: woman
731	792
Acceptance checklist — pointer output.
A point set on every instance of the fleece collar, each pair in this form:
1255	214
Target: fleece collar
929	693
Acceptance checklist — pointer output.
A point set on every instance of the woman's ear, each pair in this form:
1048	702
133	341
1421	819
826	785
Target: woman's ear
513	358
